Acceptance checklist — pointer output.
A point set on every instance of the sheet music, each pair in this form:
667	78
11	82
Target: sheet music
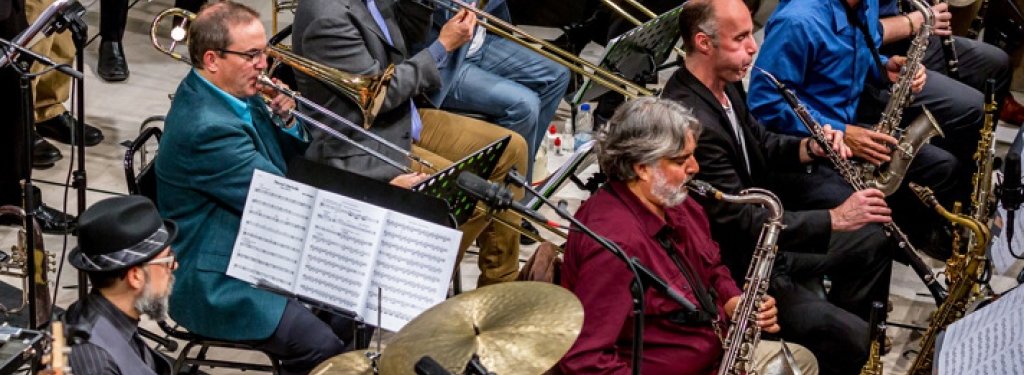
999	250
413	268
340	252
988	341
272	231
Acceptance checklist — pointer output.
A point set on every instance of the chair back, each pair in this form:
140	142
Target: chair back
142	182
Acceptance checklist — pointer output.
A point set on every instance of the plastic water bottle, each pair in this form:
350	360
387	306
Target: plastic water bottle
584	126
549	139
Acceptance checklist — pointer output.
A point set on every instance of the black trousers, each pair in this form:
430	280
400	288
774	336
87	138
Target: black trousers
834	326
114	16
12	148
303	340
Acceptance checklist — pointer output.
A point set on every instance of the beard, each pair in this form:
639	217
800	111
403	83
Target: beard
670	195
151	303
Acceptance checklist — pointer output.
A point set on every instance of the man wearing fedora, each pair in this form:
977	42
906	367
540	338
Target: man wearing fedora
124	247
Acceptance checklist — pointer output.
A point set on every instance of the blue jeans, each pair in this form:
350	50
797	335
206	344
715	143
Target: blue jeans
513	86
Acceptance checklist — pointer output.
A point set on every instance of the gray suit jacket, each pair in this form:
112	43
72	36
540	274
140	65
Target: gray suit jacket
343	35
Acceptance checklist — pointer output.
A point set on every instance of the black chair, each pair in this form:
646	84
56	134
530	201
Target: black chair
143	183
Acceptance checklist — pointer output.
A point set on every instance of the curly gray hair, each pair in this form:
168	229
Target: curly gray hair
642	131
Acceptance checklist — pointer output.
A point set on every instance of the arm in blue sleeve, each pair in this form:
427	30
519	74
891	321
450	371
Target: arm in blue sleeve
438	52
787	53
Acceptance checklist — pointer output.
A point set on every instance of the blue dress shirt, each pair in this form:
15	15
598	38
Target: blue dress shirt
812	48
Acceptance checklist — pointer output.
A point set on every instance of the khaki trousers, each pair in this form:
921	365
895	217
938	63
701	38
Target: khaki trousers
54	88
448	137
766	350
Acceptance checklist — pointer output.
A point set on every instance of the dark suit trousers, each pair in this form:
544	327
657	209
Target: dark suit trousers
11	147
302	340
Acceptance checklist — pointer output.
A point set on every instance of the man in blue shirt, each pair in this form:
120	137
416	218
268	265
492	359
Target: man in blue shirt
813	47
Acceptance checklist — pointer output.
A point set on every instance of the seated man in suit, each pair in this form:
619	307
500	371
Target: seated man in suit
515	87
736	152
648	154
124	248
365	38
218	131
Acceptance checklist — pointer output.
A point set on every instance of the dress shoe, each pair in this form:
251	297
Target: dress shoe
51	220
44	154
61	127
112	66
1012	112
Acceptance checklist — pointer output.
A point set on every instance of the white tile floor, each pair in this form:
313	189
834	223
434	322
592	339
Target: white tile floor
119	108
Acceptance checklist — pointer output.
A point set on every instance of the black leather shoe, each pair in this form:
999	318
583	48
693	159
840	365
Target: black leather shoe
60	128
112	66
54	221
50	220
44	154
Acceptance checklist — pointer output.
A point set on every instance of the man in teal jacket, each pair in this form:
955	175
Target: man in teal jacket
217	132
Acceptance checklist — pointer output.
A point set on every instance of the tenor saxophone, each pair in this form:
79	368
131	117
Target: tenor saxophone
744	334
852	176
961	289
888	176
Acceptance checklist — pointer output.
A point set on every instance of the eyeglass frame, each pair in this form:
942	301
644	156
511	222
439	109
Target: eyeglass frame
252	56
171	261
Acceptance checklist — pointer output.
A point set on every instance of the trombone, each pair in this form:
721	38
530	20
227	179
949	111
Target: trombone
322	73
578	65
366	91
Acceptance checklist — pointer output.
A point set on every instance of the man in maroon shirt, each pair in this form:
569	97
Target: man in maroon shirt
647	153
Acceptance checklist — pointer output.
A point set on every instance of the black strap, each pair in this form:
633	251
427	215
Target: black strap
704	296
851	17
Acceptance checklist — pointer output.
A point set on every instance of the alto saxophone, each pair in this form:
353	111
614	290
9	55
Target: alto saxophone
888	176
855	179
961	289
744	334
16	265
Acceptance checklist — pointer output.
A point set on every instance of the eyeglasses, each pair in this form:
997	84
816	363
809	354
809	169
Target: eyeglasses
171	261
253	55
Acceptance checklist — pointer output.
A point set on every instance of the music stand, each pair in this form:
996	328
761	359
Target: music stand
635	54
442	184
378	193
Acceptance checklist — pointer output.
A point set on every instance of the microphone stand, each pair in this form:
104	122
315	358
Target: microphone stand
643	277
27	124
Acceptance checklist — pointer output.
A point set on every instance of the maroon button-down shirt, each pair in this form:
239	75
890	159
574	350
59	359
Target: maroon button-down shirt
602	283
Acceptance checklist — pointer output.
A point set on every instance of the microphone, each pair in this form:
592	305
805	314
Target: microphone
428	366
1012	190
497	197
47	22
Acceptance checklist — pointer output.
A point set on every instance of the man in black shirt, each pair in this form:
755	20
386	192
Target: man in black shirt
124	247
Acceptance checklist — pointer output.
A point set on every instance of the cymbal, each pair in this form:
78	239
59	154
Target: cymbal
351	363
521	327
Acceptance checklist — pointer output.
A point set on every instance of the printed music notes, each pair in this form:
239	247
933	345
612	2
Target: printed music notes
339	250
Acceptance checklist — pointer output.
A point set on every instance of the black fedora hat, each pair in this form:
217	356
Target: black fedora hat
120	232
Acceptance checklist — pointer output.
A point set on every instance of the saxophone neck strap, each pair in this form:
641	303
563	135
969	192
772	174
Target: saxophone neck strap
851	17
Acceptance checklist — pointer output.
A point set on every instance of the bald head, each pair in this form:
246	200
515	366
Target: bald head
706	17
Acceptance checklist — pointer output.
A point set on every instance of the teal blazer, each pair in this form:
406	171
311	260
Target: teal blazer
207	156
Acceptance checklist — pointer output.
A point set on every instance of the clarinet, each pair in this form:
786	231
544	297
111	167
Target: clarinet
744	334
949	52
855	180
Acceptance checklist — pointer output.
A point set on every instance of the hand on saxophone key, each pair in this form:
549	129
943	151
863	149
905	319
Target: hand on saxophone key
861	208
767	316
868	144
896	64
